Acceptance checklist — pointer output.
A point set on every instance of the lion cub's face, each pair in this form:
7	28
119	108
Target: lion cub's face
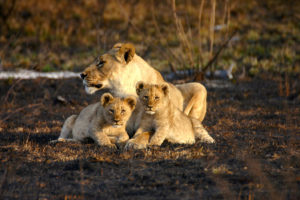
106	68
153	97
117	110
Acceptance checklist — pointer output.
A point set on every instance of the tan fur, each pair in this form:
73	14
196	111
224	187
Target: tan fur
139	141
120	69
104	121
164	119
194	99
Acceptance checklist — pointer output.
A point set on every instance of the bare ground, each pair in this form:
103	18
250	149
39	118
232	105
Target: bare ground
256	156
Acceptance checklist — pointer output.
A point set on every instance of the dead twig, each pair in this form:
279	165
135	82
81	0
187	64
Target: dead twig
4	16
199	32
211	27
11	89
182	36
169	54
18	110
200	75
3	181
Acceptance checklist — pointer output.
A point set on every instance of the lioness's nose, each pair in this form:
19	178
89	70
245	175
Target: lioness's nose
150	106
116	120
82	75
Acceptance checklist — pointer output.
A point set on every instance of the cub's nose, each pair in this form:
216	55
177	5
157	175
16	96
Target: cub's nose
150	107
83	75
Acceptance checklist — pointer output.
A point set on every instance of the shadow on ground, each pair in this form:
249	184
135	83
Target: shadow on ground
256	155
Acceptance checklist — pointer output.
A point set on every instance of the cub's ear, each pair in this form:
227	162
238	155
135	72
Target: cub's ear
165	89
106	98
131	101
139	86
126	52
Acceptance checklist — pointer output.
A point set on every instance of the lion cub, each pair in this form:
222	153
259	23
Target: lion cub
164	120
104	121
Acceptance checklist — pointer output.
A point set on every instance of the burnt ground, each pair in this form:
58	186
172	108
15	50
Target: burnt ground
256	155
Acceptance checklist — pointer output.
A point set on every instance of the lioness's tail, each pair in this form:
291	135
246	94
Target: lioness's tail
66	130
200	132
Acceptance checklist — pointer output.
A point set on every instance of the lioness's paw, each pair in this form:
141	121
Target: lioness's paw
132	144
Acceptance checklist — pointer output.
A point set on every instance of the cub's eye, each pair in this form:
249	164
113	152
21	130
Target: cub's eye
123	111
156	98
111	111
146	97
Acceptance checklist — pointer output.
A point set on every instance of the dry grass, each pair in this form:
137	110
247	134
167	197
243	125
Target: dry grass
67	35
255	121
256	155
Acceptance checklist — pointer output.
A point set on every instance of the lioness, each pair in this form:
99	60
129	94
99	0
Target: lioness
120	69
104	121
164	119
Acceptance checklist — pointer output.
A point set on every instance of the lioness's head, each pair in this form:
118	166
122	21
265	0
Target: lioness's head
153	97
99	74
117	110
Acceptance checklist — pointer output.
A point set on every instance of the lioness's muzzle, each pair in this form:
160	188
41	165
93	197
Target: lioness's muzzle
82	75
97	85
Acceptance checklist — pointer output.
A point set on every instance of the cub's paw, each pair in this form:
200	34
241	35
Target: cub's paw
153	147
155	142
111	146
133	144
203	135
207	139
58	140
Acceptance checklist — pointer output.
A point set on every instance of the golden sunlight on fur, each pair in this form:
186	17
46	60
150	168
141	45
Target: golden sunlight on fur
120	69
104	122
164	120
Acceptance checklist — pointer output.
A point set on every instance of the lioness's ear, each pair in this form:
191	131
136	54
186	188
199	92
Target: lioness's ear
139	86
165	89
106	98
126	52
117	45
131	101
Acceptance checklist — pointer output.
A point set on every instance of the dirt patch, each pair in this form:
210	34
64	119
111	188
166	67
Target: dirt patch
256	155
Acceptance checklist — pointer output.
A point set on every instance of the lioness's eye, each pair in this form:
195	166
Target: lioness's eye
145	97
100	63
111	111
156	98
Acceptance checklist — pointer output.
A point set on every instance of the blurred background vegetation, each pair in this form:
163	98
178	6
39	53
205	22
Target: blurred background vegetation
254	35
